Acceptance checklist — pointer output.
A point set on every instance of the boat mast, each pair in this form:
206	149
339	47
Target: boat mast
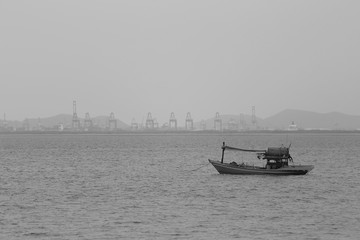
223	150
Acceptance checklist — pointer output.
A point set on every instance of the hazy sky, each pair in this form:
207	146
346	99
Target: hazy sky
134	57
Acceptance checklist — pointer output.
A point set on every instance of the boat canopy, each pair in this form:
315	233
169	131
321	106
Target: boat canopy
272	153
244	150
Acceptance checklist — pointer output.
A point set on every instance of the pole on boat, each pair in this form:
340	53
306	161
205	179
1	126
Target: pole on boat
223	150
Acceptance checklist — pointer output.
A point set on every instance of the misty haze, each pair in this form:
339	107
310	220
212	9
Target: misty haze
115	117
202	57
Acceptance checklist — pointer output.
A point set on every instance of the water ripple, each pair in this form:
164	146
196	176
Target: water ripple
161	187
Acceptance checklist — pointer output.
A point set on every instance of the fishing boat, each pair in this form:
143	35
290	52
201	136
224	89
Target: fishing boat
277	163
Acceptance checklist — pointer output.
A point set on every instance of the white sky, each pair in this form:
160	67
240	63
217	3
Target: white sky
134	57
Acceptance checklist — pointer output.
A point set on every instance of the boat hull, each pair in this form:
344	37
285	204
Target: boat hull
226	168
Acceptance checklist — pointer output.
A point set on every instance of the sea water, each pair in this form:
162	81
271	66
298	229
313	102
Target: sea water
161	186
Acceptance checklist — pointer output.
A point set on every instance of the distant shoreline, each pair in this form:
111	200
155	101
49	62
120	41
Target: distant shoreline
178	132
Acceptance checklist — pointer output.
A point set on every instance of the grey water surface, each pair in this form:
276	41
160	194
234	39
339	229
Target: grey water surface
160	186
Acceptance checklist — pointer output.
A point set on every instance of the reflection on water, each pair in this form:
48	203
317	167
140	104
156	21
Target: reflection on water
162	187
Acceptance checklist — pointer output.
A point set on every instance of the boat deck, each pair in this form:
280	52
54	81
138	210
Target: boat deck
232	168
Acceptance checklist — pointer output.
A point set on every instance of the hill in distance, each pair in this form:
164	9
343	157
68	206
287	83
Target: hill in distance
65	120
303	119
313	120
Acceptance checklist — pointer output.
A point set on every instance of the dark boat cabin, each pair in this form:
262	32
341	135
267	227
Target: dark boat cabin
277	157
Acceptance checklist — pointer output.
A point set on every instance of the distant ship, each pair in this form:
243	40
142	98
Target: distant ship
292	127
